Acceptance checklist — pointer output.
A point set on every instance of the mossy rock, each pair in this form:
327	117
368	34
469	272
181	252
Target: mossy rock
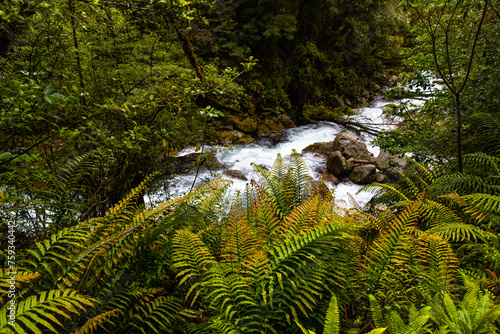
390	106
232	121
246	140
230	137
286	121
270	128
314	113
322	148
249	125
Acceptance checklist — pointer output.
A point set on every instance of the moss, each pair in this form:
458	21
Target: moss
249	125
314	113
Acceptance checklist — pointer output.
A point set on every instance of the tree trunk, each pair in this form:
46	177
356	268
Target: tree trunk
83	101
459	134
189	52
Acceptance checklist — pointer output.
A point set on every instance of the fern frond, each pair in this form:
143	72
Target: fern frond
47	311
192	258
438	264
464	184
332	319
302	217
97	322
161	313
385	192
22	278
390	251
376	312
300	178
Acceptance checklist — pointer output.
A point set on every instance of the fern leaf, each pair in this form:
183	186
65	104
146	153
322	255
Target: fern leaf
332	322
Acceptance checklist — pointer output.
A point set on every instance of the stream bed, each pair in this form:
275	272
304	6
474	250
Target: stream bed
264	155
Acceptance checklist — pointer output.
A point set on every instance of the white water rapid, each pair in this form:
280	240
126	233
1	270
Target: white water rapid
241	157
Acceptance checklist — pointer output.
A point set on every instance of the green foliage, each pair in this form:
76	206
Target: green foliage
275	258
450	41
323	113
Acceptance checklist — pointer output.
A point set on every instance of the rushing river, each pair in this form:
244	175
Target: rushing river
241	157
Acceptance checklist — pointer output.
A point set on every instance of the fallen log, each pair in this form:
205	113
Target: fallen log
356	126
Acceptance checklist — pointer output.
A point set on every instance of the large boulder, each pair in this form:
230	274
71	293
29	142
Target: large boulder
230	137
351	146
385	160
286	121
364	174
337	164
186	163
236	174
231	122
270	129
322	148
249	125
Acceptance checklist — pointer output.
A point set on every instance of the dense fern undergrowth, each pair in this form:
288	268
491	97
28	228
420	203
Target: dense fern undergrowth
281	257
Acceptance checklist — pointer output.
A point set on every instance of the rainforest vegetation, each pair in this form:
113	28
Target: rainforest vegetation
97	96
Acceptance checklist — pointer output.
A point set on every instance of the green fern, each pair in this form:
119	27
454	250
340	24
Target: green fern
49	311
332	322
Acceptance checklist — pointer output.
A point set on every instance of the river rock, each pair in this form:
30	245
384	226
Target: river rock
270	129
232	121
351	146
364	174
230	137
247	140
286	121
249	125
385	160
236	174
336	164
332	178
382	178
185	163
322	148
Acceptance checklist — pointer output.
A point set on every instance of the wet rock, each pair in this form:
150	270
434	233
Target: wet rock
270	129
232	121
246	140
364	174
351	146
322	148
336	164
382	178
236	174
385	161
350	164
286	121
230	137
332	178
249	125
186	163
